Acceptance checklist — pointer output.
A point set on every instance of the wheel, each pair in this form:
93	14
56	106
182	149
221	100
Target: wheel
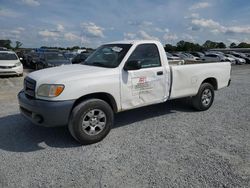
205	97
91	121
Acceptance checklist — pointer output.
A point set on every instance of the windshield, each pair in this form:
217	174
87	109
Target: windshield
55	56
109	56
8	56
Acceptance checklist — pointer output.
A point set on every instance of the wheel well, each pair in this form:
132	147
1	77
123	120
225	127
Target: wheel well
103	96
211	81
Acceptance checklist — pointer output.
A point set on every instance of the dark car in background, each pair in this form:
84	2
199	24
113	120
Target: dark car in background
31	59
51	59
69	55
80	58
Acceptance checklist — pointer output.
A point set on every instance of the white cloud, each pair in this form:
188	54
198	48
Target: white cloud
140	23
33	3
15	31
129	36
200	5
60	27
192	16
146	23
146	36
21	29
71	36
216	27
161	30
8	13
189	37
170	37
206	23
47	33
92	30
233	41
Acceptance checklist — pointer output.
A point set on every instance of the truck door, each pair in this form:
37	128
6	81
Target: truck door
146	85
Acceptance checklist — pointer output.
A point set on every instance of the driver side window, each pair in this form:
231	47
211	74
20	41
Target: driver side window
147	54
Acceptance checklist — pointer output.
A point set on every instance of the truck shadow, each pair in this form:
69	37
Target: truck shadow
19	135
143	113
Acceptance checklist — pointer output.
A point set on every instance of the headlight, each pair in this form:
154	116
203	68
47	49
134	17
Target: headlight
18	64
50	90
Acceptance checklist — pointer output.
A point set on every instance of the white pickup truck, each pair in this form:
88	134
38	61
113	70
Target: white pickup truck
118	76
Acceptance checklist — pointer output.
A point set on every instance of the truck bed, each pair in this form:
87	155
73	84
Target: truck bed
186	79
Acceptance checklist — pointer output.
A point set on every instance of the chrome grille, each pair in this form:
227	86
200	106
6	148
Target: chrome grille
29	87
7	67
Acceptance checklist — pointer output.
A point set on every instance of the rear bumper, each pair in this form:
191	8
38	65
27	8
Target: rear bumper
45	113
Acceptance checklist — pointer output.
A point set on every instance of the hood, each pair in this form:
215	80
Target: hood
230	58
62	74
8	62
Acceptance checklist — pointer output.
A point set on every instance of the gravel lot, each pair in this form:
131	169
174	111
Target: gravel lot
166	145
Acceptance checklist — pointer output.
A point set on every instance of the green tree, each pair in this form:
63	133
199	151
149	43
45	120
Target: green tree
221	45
5	43
18	44
233	45
170	48
209	44
188	46
243	45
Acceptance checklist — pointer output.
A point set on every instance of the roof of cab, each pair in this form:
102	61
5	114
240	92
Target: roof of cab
134	42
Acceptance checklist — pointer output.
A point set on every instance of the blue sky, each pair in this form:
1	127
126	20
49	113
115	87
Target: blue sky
92	22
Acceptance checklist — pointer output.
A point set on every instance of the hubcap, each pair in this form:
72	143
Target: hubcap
94	122
206	97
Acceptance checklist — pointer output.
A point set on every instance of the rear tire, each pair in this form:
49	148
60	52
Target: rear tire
204	98
91	121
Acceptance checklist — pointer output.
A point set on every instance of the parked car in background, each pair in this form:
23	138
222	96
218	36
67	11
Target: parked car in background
241	55
186	56
80	58
238	61
172	57
51	59
10	64
69	55
3	49
31	59
214	57
197	54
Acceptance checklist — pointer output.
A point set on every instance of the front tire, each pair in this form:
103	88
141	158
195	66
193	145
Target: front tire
91	121
205	97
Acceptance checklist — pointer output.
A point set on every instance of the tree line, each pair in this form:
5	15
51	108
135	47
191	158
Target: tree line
7	44
190	46
180	46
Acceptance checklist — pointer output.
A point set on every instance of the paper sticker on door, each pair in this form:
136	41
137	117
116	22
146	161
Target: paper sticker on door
141	85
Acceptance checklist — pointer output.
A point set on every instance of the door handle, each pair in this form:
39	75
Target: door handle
159	73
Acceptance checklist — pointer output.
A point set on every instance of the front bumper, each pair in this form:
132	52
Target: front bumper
12	71
45	113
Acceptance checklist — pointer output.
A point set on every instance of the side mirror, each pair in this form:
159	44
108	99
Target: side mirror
21	58
132	65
